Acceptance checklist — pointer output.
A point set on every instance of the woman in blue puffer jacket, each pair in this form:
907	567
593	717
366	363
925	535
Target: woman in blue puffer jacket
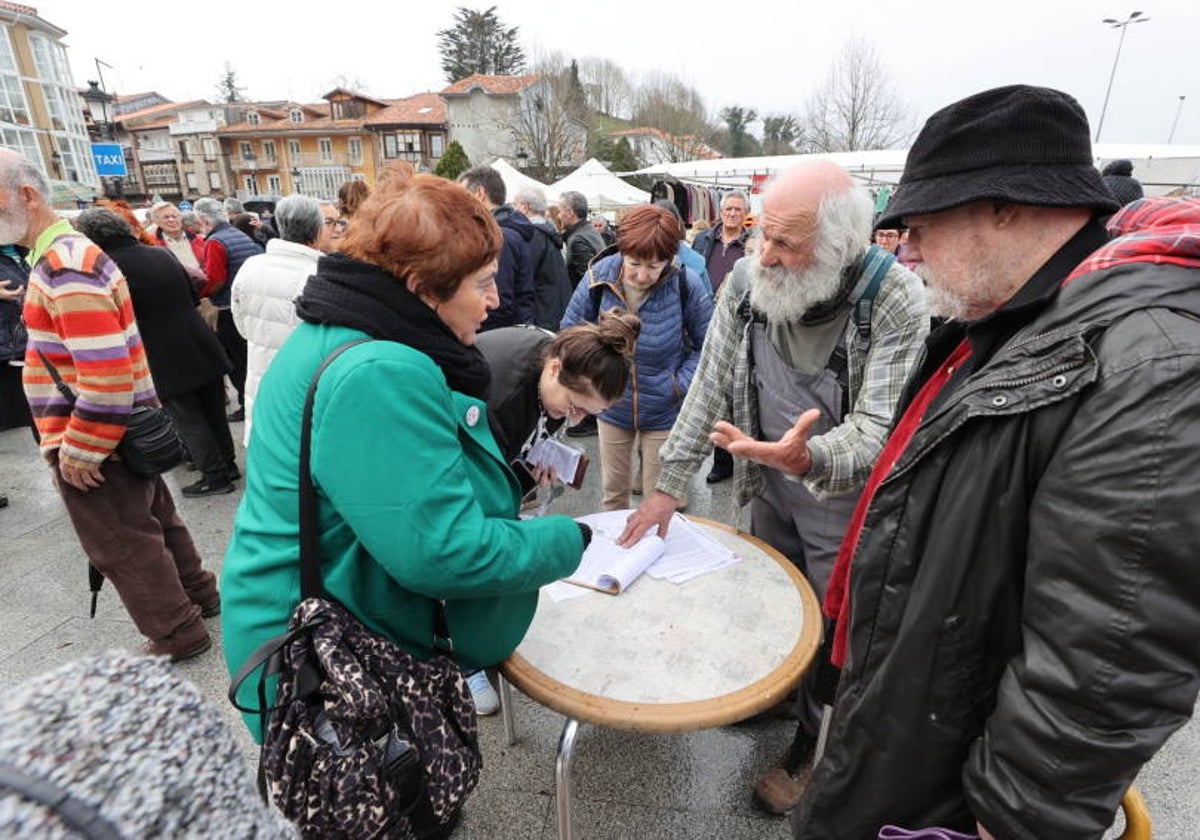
640	275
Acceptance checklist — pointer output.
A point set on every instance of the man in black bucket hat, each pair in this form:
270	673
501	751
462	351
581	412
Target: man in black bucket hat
1018	631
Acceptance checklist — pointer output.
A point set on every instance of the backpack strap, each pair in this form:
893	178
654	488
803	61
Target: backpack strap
875	267
78	815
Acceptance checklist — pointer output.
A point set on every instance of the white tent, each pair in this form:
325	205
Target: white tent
604	190
514	179
1160	168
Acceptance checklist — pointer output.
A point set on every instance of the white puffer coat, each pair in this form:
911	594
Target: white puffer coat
263	306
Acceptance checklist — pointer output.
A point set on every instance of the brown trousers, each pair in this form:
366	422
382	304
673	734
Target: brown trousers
131	533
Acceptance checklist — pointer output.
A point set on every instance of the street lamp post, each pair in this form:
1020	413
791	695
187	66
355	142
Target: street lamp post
296	180
1134	17
96	95
1175	122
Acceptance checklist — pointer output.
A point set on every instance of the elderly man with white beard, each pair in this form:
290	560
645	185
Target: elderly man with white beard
809	347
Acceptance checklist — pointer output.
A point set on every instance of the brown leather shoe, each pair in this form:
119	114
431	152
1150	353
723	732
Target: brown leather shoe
156	649
211	610
777	791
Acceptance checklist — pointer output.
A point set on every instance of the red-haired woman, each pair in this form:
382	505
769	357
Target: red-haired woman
641	275
416	502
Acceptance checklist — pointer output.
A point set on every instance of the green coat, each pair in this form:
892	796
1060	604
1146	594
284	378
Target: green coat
415	503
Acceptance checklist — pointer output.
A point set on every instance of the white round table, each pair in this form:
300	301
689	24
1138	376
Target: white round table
662	657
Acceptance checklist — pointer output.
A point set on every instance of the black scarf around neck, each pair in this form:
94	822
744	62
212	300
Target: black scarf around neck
348	293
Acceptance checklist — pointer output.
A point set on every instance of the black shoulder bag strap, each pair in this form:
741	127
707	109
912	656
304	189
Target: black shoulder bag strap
78	815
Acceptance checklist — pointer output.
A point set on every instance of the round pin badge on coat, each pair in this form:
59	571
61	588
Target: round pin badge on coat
472	415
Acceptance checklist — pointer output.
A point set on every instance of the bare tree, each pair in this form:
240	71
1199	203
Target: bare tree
857	106
664	102
547	123
608	88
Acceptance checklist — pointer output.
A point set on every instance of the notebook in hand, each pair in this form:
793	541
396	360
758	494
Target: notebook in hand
568	462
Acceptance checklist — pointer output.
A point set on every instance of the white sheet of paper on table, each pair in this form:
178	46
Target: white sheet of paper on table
687	553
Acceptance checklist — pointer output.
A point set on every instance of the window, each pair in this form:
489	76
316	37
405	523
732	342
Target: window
348	109
436	145
296	115
293	149
12	96
185	151
390	149
354	148
268	148
325	149
273	185
214	180
191	181
251	183
252	118
246	150
210	148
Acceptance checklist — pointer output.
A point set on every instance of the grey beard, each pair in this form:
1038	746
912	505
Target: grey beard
785	294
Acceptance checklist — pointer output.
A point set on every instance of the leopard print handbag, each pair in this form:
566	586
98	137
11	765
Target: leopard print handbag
364	740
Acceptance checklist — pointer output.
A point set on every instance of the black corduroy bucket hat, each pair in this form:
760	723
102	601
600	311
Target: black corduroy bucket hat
1019	144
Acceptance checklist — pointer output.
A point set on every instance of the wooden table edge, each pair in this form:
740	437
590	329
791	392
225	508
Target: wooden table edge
683	717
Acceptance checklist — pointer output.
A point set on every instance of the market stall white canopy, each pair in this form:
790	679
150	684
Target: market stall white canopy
604	190
1160	168
514	179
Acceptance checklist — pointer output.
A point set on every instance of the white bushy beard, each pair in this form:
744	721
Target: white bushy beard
785	294
13	224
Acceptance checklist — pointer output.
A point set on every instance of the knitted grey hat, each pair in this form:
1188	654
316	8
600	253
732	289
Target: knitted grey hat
127	736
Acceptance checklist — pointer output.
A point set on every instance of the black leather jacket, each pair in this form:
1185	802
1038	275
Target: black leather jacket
1025	604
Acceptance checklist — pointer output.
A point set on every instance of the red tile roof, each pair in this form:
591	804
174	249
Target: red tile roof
495	85
31	12
422	109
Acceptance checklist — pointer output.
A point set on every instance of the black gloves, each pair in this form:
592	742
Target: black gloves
586	531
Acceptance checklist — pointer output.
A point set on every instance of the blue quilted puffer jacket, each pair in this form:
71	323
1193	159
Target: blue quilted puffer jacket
668	347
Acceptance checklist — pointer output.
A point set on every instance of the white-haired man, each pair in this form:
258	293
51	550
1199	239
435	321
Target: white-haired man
551	286
80	320
187	248
808	350
263	302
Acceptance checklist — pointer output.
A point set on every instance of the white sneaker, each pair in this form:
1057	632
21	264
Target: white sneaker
487	701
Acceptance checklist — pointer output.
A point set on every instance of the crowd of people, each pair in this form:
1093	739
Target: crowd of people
967	421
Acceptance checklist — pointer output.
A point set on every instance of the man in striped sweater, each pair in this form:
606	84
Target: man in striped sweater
80	318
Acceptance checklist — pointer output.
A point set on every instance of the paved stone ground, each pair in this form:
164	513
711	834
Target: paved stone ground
626	785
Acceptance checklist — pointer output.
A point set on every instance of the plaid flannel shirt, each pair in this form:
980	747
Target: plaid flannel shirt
723	389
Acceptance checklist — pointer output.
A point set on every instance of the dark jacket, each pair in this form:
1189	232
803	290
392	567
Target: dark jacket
583	244
1024	624
221	263
183	352
705	239
514	272
515	356
551	285
668	346
13	274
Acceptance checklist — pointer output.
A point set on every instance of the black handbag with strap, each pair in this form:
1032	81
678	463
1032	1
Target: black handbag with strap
150	445
363	739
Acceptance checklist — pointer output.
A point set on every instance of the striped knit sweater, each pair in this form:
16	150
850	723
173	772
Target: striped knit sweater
79	314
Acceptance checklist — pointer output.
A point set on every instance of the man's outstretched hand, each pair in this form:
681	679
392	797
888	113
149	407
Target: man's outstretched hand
789	454
655	511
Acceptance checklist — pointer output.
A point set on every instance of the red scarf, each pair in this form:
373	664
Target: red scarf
837	596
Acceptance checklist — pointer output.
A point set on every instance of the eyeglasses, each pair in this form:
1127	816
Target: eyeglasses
337	224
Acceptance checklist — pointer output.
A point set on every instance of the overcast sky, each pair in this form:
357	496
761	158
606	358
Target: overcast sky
765	55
